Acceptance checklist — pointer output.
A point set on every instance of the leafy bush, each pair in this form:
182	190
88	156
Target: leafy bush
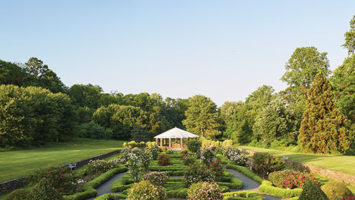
204	191
145	158
217	168
188	160
45	191
100	166
61	178
335	190
268	188
154	150
19	194
196	173
133	167
290	179
236	156
93	130
242	195
163	159
206	156
156	178
125	154
264	163
194	146
145	190
132	144
312	191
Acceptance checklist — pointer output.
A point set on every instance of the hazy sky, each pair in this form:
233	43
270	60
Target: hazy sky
221	49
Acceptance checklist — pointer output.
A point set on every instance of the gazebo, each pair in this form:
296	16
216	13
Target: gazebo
173	138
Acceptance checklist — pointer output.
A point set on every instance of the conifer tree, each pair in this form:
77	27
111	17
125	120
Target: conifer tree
323	126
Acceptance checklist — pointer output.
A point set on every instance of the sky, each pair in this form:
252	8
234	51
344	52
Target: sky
222	49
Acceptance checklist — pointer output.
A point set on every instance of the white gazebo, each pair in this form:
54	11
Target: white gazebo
173	138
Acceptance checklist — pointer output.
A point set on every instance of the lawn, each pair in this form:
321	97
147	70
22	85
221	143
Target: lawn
334	162
19	163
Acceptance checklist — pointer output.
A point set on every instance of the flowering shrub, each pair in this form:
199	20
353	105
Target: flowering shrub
96	167
156	178
188	160
236	156
163	159
60	178
145	190
45	191
154	150
217	168
349	198
312	191
206	155
290	179
198	172
204	191
183	154
194	146
125	154
264	163
133	167
145	158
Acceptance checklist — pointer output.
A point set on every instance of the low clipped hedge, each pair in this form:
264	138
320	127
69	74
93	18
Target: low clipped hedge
231	183
122	184
242	195
89	188
246	172
111	196
267	187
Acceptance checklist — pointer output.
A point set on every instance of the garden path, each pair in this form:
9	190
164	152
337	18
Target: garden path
105	188
249	184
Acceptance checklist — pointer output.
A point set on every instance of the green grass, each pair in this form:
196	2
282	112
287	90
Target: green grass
19	163
335	162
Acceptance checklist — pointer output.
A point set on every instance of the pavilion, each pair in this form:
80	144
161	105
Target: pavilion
173	138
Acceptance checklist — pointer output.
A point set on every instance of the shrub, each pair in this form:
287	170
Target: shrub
183	154
236	156
312	191
96	167
146	158
217	168
61	178
290	179
145	190
242	195
268	188
136	151
204	191
206	155
335	191
196	173
133	167
163	159
19	194
154	150
45	191
194	146
125	154
156	178
132	144
188	160
264	163
227	143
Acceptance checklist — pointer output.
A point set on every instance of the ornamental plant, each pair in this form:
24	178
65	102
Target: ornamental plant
60	178
125	154
188	160
45	191
206	155
335	191
312	191
204	191
194	146
96	167
19	194
145	190
236	156
154	150
291	179
145	158
264	163
163	159
196	173
217	168
156	178
133	167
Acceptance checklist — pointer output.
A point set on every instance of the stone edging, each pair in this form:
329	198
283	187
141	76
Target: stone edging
327	173
14	184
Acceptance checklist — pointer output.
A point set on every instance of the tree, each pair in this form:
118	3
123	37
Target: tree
350	37
40	75
343	82
229	110
304	64
323	126
201	116
85	95
11	73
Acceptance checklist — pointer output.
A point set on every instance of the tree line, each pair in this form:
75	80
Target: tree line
316	110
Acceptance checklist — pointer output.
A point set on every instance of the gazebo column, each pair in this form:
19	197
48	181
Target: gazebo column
161	142
156	141
181	142
170	142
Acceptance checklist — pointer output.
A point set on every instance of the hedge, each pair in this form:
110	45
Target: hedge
111	196
268	188
121	184
246	172
89	188
242	195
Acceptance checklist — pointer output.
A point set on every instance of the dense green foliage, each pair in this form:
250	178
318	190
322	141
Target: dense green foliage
336	190
323	126
19	194
204	191
45	191
145	190
312	191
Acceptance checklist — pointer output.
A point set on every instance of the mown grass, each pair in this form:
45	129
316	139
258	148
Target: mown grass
19	163
335	162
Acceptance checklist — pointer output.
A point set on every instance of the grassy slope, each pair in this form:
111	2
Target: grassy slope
19	163
334	162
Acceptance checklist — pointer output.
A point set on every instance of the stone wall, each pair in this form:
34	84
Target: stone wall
327	173
11	185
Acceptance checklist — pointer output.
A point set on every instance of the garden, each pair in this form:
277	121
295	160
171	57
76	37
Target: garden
206	170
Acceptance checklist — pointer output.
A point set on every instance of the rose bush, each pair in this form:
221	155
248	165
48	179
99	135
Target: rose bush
204	191
156	178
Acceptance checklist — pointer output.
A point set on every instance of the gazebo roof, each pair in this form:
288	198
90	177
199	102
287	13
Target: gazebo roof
176	133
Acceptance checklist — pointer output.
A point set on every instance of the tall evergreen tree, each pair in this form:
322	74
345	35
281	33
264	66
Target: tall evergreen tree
323	126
